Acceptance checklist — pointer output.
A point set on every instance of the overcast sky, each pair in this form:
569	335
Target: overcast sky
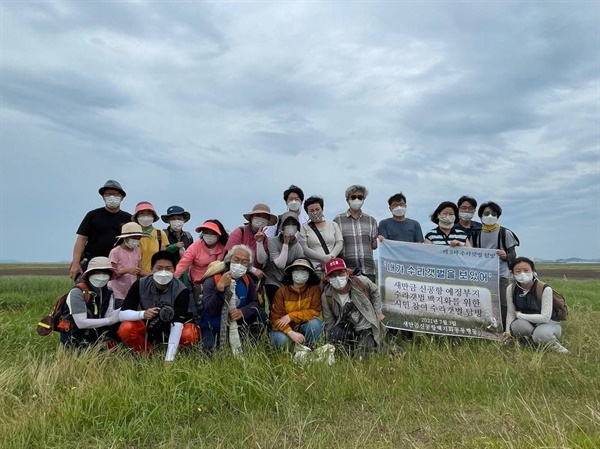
218	106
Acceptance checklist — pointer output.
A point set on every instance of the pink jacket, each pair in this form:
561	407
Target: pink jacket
197	257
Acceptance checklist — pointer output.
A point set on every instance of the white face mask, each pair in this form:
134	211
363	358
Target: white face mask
356	204
294	205
145	221
112	201
466	216
259	223
446	222
338	282
162	277
99	280
489	220
524	278
316	216
210	239
290	229
237	270
399	211
132	243
300	277
176	225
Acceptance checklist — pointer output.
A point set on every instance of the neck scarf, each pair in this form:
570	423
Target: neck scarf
490	228
229	328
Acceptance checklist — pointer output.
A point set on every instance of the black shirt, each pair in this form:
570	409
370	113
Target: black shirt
101	228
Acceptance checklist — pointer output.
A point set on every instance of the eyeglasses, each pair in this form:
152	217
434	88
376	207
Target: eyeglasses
357	197
487	214
467	209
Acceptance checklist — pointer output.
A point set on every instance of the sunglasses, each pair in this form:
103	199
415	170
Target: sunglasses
357	197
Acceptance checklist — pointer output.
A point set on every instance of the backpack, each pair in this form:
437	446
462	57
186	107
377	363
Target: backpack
476	236
559	302
60	319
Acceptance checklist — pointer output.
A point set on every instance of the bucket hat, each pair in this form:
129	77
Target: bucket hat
261	208
299	263
144	205
176	210
112	184
99	263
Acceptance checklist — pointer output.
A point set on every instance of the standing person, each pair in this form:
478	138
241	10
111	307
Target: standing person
145	215
466	211
98	229
321	240
294	314
446	233
352	314
210	247
503	240
252	234
156	310
531	313
91	306
359	232
179	240
230	284
399	227
283	250
125	259
194	263
293	197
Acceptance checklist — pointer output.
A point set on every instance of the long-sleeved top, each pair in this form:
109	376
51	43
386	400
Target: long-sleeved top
368	304
280	255
313	250
197	257
245	236
528	303
302	306
214	299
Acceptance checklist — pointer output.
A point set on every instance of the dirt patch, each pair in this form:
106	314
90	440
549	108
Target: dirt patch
574	274
34	270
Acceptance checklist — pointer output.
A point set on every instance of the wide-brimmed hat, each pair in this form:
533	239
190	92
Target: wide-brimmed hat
215	267
131	229
209	225
299	263
261	208
99	263
144	205
334	264
176	210
112	184
284	217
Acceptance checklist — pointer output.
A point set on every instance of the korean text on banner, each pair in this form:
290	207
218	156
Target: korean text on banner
440	289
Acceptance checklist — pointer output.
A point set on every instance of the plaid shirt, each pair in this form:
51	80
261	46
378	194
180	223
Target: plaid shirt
358	234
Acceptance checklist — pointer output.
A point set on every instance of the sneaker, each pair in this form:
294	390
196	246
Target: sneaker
557	347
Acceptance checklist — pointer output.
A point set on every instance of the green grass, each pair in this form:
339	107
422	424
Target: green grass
445	393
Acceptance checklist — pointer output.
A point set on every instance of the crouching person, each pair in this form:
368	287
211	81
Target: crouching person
295	311
155	310
231	307
91	307
351	310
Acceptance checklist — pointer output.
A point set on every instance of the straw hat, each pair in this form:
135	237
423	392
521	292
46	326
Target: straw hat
215	267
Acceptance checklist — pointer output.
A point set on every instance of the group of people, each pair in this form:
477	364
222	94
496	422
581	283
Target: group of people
296	275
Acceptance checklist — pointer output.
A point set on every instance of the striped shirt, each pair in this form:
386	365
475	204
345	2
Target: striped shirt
358	234
437	236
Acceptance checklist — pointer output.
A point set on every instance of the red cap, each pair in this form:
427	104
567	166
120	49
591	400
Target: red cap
334	265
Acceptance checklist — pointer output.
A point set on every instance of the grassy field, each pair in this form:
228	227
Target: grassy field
445	393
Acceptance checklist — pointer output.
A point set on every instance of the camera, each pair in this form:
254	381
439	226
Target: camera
164	315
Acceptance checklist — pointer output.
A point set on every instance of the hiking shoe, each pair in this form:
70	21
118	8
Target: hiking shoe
557	347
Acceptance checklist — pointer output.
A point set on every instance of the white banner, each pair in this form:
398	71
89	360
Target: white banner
440	289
